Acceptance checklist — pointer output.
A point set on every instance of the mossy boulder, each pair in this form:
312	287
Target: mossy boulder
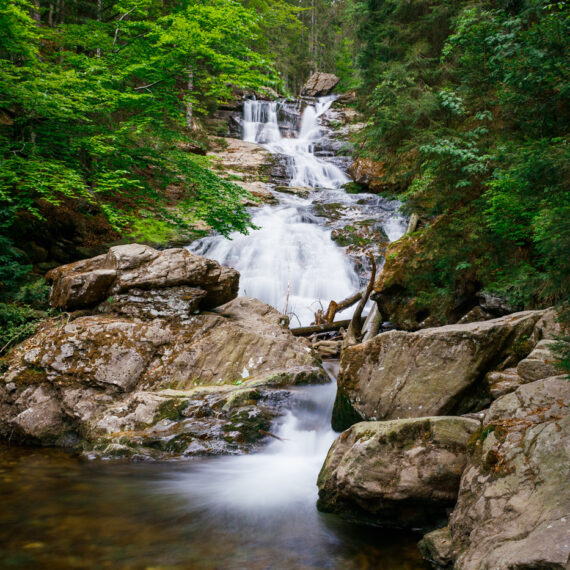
146	374
401	473
514	498
435	371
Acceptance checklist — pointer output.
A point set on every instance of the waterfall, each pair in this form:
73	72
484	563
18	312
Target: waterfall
290	262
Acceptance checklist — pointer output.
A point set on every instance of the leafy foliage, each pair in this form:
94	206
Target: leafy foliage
475	96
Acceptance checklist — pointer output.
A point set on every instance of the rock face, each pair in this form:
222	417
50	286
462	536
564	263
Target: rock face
143	375
319	85
125	267
246	164
402	473
434	371
372	175
514	500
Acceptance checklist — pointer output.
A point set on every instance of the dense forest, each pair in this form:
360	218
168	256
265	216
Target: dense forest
102	105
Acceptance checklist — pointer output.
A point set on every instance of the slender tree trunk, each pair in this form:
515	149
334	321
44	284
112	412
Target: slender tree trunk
189	109
36	11
99	20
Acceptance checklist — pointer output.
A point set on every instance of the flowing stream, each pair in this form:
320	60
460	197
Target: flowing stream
240	512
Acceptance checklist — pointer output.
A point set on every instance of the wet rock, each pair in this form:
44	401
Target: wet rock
434	371
319	85
302	192
514	498
134	266
396	473
437	547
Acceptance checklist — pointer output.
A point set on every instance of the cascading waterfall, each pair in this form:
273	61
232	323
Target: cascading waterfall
290	262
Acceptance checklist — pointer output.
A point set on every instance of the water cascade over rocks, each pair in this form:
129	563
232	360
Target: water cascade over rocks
291	262
248	510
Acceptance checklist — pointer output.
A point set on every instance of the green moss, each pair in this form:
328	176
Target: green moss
344	415
32	375
247	424
353	188
170	410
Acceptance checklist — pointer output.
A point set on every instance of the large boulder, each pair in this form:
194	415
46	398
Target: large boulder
147	373
319	84
402	473
89	282
435	371
514	500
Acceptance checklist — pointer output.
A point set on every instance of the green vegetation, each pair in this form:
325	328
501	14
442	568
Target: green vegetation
101	106
468	105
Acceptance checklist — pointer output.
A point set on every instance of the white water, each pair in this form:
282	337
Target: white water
291	262
283	476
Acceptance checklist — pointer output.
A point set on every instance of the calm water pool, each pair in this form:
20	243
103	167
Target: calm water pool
252	512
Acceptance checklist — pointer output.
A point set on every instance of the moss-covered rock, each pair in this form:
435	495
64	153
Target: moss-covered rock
514	499
396	473
435	371
131	384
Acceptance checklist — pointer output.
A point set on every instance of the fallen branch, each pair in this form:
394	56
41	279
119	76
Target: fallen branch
354	333
335	307
263	432
325	327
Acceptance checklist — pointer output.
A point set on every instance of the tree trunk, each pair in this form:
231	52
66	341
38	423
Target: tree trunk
189	109
354	333
99	6
36	11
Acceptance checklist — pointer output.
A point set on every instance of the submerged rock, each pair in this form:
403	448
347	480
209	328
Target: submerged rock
514	499
402	473
435	371
142	374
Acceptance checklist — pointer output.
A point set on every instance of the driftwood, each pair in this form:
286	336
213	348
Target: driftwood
328	347
335	307
372	323
263	432
354	333
325	327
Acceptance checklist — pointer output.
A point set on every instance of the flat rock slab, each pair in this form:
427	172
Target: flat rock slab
400	473
435	371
